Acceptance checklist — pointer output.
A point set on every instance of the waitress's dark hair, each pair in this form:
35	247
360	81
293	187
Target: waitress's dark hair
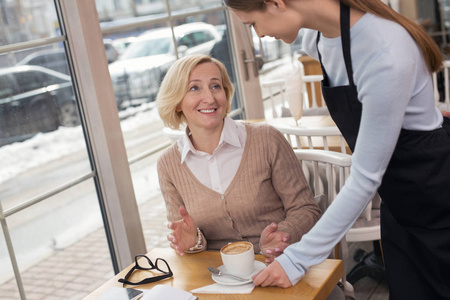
430	50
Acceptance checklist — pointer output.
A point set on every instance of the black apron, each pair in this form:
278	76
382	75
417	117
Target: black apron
415	193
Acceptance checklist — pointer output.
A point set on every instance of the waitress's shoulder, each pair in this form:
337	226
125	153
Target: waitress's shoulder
386	33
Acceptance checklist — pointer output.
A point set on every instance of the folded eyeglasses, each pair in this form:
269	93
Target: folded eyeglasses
160	264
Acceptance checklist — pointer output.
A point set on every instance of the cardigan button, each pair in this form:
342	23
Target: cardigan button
222	197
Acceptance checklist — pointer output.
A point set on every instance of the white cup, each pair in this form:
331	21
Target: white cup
238	258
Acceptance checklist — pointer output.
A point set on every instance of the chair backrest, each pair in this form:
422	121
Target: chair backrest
312	137
313	103
276	89
309	85
336	166
326	173
445	106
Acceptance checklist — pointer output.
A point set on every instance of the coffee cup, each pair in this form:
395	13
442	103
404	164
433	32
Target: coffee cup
238	258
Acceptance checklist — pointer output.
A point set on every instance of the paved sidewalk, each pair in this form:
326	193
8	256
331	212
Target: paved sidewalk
76	271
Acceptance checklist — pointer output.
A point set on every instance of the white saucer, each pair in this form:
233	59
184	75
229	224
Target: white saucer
225	280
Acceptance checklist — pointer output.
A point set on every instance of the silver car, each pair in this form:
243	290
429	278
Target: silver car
138	72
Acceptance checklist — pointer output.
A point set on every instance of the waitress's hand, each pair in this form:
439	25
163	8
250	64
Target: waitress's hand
446	114
272	275
273	242
184	233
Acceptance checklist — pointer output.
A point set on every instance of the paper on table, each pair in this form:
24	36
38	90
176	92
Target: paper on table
293	93
118	293
225	289
167	292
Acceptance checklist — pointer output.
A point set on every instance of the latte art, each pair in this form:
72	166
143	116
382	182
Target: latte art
236	248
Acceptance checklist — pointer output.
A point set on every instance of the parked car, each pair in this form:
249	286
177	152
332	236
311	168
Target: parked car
34	99
122	43
54	59
137	73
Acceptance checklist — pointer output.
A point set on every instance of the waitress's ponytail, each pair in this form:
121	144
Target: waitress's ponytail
430	50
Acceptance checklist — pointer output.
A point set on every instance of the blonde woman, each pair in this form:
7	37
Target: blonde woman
378	87
226	181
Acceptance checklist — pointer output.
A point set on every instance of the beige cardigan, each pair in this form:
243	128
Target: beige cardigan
269	186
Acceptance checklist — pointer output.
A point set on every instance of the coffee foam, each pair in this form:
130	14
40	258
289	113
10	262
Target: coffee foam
236	248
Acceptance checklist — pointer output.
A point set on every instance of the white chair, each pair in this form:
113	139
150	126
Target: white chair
276	89
336	166
444	106
313	104
324	138
315	108
276	94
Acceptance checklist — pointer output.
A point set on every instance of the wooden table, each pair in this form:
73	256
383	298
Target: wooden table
190	273
311	124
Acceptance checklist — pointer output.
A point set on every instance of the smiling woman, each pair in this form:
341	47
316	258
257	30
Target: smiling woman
223	181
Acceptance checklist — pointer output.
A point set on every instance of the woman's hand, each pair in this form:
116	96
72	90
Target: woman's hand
273	242
272	275
184	233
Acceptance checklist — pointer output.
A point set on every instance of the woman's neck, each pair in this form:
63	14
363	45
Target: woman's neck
206	140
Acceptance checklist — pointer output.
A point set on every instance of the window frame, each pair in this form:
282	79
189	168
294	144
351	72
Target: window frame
104	135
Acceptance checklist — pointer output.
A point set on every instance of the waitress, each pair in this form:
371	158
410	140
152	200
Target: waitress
377	68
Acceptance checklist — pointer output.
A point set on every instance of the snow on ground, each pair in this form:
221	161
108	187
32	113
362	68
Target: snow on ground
17	158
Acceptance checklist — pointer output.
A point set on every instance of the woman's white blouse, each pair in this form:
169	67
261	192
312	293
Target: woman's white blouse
217	170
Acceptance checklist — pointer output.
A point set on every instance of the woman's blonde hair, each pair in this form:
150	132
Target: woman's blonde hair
175	86
430	50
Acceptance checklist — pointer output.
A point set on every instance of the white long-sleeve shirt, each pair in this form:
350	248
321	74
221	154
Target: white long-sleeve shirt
396	91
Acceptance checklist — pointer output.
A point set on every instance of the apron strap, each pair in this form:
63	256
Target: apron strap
325	76
345	37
